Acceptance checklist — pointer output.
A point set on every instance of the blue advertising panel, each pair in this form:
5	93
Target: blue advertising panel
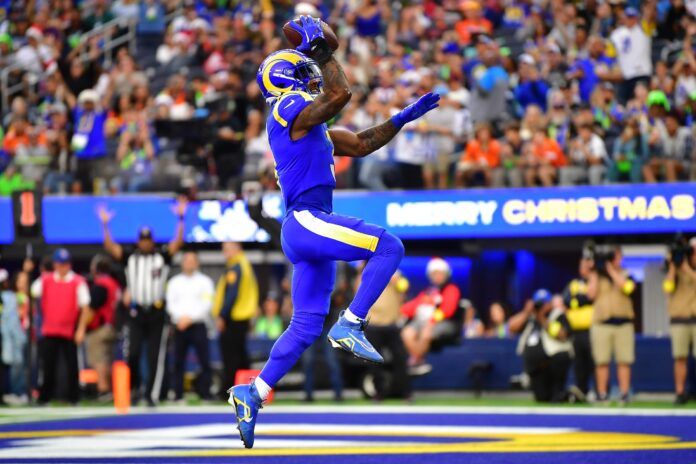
74	220
6	223
477	213
528	212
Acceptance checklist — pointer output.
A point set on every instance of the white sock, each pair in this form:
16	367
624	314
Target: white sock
351	317
262	387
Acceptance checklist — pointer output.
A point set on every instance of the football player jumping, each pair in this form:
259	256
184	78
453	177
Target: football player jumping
305	88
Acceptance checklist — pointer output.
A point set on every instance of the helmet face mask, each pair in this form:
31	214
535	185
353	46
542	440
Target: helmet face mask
286	71
310	75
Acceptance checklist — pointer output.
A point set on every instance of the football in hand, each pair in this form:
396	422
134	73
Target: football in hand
295	38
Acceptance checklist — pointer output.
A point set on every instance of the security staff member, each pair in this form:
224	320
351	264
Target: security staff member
147	268
680	287
612	332
236	302
189	299
579	314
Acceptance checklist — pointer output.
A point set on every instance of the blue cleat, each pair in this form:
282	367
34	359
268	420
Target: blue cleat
246	402
350	336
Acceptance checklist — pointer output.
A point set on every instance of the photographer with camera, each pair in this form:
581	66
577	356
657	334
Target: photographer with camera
680	287
544	345
612	332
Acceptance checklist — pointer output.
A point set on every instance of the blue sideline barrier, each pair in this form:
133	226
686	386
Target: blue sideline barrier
652	371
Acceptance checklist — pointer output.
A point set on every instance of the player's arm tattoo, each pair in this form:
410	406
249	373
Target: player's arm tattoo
376	137
347	143
328	104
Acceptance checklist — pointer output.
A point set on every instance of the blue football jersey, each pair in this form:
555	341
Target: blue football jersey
305	167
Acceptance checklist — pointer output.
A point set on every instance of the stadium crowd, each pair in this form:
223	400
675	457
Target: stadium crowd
534	92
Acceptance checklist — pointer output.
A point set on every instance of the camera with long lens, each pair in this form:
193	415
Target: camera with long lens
679	250
600	255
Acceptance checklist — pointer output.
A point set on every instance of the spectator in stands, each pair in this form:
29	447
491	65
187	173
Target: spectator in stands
512	148
559	119
77	75
235	304
229	117
98	329
64	300
11	180
180	105
13	338
675	149
633	46
607	112
497	321
680	287
432	316
480	162
544	345
587	159
189	300
564	26
33	158
612	333
630	151
410	149
489	87
473	23
441	138
35	57
385	334
543	160
685	72
17	135
593	68
6	48
269	325
531	89
473	327
579	314
59	178
554	68
100	15
135	155
89	138
663	78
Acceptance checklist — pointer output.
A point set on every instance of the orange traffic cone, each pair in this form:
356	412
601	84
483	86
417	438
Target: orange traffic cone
120	374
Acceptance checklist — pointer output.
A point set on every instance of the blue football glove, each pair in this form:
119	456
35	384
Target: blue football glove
415	110
310	29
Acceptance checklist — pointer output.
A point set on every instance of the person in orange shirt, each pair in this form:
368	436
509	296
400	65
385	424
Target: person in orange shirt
481	158
17	135
473	22
543	160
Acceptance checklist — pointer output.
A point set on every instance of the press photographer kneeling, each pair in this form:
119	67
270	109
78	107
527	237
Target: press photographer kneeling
545	346
680	287
612	332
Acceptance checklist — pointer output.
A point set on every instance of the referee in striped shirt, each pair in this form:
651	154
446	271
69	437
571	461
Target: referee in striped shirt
147	269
